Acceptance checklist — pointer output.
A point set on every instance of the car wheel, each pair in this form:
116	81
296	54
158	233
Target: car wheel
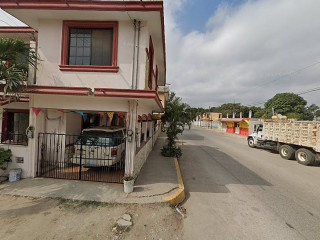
287	152
251	142
305	157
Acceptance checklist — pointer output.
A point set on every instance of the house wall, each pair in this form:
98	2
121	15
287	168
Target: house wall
49	42
144	152
73	123
17	150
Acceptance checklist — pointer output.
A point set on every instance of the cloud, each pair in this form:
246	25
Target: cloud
247	54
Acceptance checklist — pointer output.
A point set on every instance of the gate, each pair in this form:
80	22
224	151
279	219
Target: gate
97	157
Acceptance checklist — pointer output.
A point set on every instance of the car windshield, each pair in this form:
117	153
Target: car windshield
96	138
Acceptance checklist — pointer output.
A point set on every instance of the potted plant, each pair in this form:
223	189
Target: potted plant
128	182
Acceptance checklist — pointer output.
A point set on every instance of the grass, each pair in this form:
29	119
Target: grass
69	203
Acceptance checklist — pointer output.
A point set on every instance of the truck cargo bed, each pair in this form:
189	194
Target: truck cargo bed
301	133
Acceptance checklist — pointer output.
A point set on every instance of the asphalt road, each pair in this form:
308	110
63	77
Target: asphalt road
235	192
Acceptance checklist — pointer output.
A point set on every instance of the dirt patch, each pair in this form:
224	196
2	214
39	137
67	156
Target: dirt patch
31	218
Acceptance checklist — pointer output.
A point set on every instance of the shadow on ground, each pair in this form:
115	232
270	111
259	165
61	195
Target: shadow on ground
207	169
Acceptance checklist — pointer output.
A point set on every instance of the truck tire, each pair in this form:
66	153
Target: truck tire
251	142
287	152
305	157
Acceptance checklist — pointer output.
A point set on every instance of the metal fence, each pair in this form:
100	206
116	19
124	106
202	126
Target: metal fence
84	157
14	138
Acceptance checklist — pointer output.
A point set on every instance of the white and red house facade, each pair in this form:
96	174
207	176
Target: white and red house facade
96	57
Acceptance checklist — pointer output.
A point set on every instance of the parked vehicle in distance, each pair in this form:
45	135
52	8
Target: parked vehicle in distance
99	147
298	140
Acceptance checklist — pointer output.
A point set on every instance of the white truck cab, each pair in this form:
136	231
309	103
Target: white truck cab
256	135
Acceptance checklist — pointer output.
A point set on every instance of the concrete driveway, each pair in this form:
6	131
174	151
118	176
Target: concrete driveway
235	192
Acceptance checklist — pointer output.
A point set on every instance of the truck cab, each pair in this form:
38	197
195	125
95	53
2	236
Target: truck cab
256	135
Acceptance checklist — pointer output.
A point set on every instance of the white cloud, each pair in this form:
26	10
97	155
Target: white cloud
242	48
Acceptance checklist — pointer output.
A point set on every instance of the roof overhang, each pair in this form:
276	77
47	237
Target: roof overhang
147	97
234	119
30	11
8	100
23	33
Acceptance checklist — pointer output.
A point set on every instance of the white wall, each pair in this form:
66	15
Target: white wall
50	34
73	123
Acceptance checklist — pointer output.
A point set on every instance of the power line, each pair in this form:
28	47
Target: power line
289	74
298	93
309	91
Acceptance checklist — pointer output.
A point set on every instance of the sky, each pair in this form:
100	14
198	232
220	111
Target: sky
240	50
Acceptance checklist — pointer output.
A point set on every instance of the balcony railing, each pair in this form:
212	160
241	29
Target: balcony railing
14	138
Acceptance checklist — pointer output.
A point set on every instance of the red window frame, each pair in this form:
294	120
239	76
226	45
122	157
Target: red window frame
88	68
157	77
151	57
5	123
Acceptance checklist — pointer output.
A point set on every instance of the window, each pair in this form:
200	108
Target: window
89	46
14	125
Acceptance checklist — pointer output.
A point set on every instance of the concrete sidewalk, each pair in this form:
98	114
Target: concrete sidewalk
157	179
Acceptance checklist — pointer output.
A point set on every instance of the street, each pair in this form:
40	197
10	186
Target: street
235	192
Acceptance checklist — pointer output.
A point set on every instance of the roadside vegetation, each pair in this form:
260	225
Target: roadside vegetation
16	57
287	104
177	116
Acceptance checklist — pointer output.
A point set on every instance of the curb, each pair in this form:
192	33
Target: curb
179	195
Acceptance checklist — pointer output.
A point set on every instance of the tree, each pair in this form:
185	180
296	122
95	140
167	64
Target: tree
15	58
190	115
176	118
286	104
312	112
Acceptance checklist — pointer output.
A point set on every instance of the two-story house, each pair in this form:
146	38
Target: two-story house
101	63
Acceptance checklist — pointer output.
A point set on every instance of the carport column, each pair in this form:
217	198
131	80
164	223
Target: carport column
131	145
36	122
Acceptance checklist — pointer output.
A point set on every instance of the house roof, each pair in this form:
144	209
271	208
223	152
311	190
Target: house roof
234	119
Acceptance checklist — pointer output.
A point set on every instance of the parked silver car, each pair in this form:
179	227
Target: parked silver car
99	147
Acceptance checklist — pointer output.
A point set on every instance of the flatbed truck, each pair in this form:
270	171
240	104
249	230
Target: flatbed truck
298	140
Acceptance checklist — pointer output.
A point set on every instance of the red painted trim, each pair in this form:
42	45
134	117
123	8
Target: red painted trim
151	59
88	24
9	29
89	68
83	5
144	117
8	100
128	93
78	91
156	77
92	5
139	118
17	110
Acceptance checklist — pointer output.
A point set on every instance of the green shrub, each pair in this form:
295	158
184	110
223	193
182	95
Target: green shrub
171	151
5	157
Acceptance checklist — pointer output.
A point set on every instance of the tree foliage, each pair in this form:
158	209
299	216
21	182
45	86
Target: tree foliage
15	58
286	103
5	157
177	114
289	104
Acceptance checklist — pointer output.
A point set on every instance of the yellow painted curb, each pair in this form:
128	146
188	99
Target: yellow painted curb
179	195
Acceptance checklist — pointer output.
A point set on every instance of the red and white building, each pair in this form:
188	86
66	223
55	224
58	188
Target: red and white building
100	61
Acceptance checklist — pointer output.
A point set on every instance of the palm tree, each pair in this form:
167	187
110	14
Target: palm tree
16	56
